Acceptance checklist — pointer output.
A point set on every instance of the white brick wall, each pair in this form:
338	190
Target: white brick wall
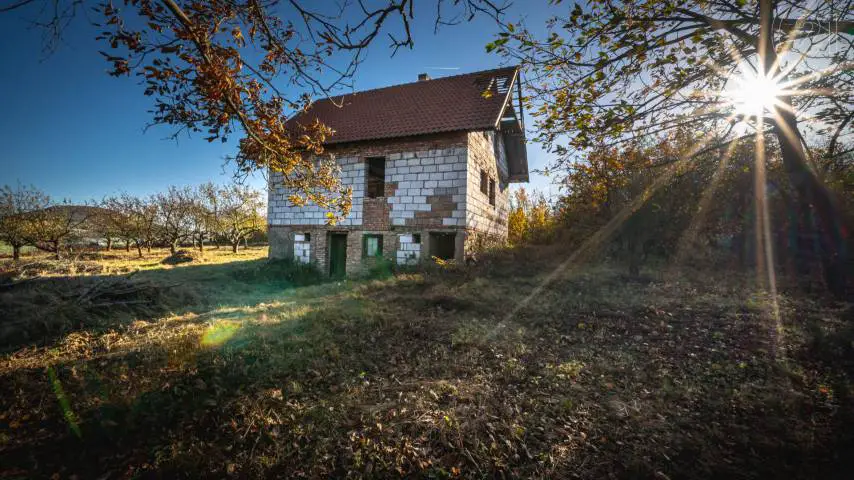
418	175
480	215
302	248
281	212
409	252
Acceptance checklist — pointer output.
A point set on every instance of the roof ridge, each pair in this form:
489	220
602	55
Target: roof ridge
415	108
418	81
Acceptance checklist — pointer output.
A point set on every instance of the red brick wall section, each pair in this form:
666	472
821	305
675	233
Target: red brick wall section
376	211
381	148
441	206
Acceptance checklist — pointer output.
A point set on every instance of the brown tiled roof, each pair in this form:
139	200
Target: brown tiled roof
430	106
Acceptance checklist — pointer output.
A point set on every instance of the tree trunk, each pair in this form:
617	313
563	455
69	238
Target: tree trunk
56	250
16	252
201	243
173	247
148	246
817	209
109	243
139	249
235	246
127	245
813	196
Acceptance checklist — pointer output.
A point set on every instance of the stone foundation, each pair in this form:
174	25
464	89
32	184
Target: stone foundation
401	247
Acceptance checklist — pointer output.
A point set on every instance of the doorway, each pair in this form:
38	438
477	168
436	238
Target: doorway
337	255
443	245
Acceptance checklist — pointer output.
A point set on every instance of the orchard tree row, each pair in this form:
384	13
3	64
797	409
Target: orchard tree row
178	216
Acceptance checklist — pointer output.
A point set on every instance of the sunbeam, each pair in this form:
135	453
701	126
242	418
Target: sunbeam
765	266
608	229
689	235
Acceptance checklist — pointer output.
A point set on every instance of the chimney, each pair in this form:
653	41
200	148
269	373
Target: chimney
423	77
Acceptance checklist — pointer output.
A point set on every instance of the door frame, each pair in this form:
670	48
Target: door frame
331	256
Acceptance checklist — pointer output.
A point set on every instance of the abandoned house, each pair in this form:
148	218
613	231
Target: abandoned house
429	163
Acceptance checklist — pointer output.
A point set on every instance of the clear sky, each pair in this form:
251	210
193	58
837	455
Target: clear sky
75	132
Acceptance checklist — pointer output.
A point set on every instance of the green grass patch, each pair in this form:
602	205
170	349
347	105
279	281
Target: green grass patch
263	369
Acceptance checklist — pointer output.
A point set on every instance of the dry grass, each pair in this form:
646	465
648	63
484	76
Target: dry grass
43	298
114	262
266	374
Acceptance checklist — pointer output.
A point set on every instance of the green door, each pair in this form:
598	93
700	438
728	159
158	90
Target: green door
337	255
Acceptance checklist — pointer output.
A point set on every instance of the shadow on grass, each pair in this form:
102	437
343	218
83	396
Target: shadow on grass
41	310
425	376
138	406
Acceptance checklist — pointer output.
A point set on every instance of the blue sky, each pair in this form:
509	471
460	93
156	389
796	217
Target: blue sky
75	132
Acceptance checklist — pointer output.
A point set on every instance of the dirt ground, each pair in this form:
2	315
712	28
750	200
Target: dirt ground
507	369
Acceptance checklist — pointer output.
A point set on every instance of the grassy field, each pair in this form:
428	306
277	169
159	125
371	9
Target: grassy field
6	250
238	367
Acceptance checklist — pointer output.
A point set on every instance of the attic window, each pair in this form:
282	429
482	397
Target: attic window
484	182
376	177
492	192
502	84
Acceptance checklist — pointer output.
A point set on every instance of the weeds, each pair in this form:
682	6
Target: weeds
269	373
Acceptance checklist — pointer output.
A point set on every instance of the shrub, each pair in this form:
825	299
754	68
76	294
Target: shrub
531	219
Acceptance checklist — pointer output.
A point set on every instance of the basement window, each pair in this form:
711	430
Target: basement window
372	245
484	182
492	192
376	177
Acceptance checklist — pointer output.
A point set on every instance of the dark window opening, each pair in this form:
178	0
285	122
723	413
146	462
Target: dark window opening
416	238
443	245
492	192
484	182
376	177
372	245
307	236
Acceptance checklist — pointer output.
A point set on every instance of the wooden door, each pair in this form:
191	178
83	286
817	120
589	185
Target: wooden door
337	255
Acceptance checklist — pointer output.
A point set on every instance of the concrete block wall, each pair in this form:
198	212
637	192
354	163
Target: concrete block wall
425	185
408	251
280	211
485	152
430	187
302	248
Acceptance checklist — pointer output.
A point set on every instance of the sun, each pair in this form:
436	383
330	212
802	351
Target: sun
755	94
